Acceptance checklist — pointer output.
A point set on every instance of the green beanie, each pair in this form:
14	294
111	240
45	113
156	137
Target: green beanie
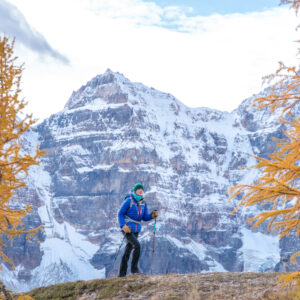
138	186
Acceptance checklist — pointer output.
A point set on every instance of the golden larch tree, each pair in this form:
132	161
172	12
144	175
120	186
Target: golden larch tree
14	164
280	180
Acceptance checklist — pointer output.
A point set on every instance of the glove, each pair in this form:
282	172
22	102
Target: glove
126	229
154	214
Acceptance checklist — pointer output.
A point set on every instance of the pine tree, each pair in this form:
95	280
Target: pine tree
279	183
13	164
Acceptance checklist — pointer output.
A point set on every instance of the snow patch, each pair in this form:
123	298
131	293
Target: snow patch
260	251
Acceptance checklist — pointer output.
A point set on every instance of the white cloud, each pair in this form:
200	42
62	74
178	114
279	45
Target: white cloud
14	25
215	61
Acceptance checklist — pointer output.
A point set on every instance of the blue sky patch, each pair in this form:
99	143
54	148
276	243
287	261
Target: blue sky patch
208	7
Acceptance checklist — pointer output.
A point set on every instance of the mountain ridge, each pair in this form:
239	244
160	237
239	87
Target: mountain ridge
111	135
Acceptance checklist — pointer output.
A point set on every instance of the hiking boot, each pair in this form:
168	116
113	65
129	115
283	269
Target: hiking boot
136	272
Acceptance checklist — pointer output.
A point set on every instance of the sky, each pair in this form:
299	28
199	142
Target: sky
206	53
208	7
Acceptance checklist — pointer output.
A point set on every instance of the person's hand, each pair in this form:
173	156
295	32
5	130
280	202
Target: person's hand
154	214
126	229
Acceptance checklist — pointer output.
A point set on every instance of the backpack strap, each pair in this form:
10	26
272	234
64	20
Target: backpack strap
131	203
131	220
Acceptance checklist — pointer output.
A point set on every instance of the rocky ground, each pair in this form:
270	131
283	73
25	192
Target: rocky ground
208	286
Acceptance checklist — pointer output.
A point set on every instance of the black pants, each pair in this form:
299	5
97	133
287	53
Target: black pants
132	242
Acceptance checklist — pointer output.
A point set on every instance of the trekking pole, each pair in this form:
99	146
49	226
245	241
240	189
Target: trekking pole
116	255
153	244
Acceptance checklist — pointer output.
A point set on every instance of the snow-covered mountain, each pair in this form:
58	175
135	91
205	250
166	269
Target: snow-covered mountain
113	133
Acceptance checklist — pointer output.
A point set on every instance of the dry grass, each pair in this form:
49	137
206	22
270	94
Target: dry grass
206	286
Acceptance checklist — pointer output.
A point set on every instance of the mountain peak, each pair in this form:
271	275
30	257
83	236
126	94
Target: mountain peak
109	76
101	85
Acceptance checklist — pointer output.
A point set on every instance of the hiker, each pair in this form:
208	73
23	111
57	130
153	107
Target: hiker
133	210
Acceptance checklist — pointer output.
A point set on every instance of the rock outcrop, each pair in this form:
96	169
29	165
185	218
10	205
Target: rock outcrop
113	133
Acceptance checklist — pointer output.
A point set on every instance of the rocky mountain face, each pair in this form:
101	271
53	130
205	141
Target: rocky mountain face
113	133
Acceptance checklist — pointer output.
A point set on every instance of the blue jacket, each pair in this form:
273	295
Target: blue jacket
138	212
